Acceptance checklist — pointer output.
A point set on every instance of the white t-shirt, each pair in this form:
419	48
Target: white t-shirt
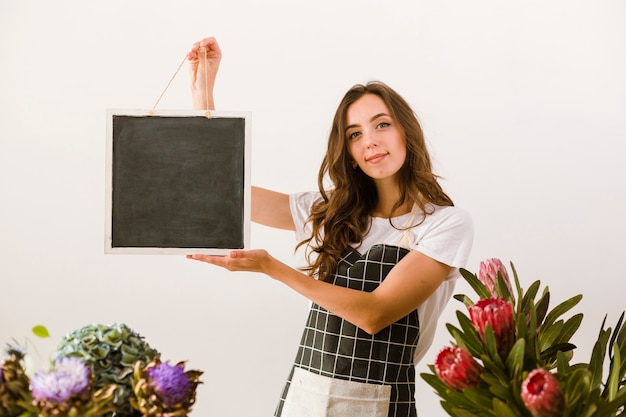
446	235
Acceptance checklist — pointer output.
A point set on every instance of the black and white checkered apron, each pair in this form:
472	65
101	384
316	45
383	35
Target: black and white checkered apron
333	347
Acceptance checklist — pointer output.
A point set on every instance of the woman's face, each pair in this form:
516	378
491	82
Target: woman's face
375	141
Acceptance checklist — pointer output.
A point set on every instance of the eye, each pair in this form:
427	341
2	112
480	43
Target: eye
383	124
353	135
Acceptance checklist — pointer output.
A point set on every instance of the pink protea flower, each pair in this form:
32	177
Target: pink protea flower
542	394
457	368
488	275
497	313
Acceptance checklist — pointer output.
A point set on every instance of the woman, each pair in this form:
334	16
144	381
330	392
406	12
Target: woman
383	245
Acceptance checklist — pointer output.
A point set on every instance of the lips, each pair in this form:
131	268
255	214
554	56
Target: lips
377	157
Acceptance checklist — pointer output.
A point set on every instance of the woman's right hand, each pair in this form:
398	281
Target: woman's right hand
204	59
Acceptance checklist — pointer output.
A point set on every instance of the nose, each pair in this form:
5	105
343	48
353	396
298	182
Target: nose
370	139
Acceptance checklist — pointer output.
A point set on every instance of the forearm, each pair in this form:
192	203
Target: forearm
405	287
203	100
271	208
358	307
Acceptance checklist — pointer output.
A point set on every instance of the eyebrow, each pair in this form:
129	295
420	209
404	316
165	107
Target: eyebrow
371	120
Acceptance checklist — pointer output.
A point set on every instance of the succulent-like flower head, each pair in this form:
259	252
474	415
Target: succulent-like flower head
457	368
542	394
164	389
497	313
111	352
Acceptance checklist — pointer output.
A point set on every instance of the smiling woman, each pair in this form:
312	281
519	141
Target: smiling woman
376	143
384	246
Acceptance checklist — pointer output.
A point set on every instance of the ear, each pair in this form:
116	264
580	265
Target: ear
354	164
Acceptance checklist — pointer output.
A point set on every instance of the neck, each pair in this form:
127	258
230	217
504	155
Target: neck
387	198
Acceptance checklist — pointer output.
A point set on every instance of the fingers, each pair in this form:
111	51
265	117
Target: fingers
207	47
237	260
222	261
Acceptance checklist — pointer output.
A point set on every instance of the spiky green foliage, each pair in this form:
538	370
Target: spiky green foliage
542	341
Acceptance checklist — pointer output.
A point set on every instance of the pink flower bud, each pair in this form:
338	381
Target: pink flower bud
488	275
542	394
497	313
457	368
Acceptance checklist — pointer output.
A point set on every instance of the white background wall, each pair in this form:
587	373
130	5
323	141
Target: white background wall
523	103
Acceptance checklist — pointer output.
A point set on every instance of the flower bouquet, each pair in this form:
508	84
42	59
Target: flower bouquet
511	356
97	371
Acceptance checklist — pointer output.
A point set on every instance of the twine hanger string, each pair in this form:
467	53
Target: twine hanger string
206	71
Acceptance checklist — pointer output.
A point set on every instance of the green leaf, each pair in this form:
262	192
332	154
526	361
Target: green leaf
41	331
561	309
611	407
515	360
470	336
480	397
460	400
570	327
596	362
480	288
619	334
503	289
532	346
591	410
526	304
464	299
518	287
578	387
614	374
542	308
491	346
494	372
501	391
549	355
433	380
501	409
458	412
549	334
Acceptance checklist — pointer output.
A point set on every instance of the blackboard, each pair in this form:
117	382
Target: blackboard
177	182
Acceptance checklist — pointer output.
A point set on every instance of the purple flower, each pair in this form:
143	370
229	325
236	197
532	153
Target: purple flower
542	394
68	378
169	382
488	275
457	368
497	313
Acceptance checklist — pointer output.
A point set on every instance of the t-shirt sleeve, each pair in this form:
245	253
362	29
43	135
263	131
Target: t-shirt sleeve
447	236
300	205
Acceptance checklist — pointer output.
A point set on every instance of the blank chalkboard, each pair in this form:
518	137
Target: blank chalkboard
177	182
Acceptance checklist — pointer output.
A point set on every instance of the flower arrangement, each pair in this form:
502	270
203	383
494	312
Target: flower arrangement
97	370
511	356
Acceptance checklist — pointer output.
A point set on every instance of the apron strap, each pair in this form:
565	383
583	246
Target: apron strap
408	238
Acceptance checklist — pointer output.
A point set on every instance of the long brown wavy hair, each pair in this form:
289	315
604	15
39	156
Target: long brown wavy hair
343	216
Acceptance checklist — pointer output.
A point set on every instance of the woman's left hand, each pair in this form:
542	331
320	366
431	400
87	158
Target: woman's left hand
255	260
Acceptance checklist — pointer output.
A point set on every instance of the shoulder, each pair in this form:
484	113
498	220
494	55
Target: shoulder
306	198
303	201
447	235
300	205
449	217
